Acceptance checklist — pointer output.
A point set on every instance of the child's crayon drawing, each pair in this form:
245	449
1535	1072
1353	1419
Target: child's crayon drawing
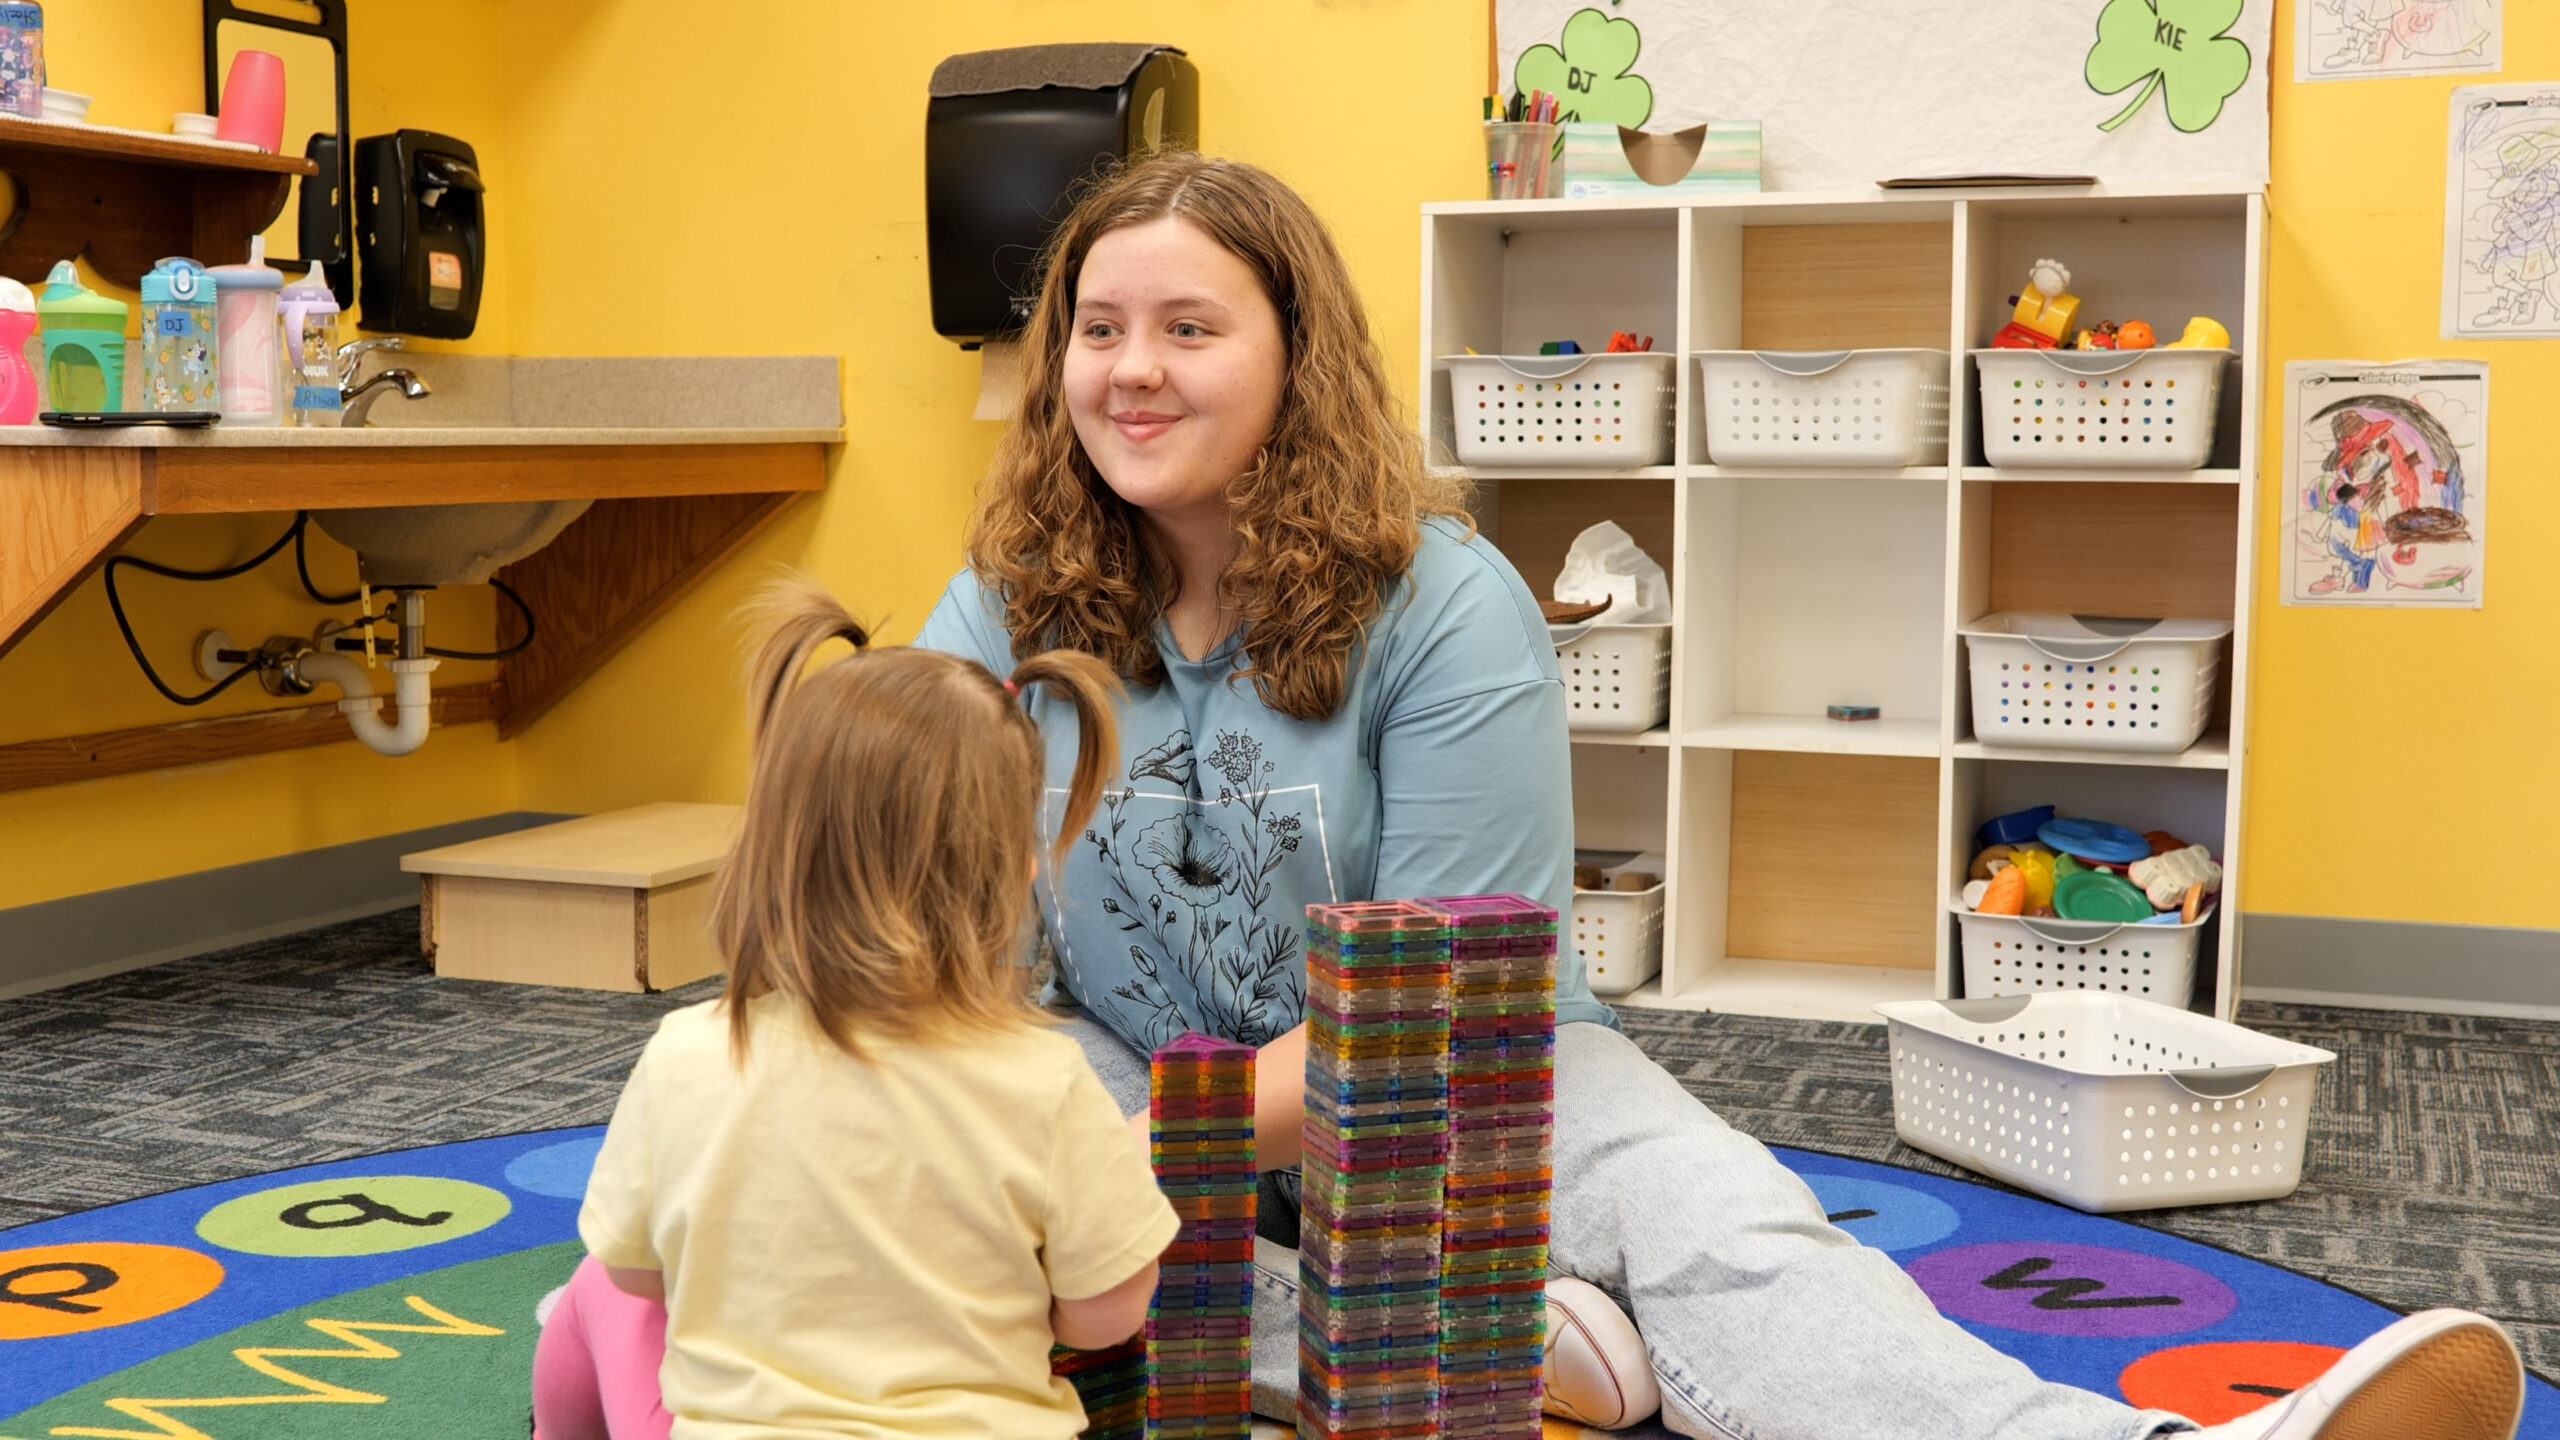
2369	39
2386	481
2502	211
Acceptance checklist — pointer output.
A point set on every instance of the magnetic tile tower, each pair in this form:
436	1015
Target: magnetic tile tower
1112	1383
1199	1338
1493	1240
1373	1169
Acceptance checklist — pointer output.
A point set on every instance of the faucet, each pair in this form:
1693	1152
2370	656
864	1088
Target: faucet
358	398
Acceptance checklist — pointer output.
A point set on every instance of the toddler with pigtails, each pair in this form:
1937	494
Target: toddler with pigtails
867	1186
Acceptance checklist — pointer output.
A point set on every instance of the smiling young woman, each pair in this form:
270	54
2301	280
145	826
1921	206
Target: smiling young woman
1206	434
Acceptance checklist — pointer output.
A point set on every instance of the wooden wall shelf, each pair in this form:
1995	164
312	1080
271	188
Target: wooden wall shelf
664	517
125	199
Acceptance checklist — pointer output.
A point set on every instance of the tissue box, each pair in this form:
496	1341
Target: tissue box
1723	155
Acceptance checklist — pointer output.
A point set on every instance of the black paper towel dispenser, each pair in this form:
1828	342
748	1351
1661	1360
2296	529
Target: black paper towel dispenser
420	241
1007	135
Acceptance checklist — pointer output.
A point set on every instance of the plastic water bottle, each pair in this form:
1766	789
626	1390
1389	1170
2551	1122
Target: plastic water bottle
179	367
308	320
245	310
17	379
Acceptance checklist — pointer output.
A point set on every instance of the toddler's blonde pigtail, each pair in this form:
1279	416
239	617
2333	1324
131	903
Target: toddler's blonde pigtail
1088	685
796	616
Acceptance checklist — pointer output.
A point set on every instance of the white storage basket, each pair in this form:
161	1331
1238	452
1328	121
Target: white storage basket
2019	955
2102	1102
2092	682
1825	407
2100	409
1619	935
1617	678
1606	412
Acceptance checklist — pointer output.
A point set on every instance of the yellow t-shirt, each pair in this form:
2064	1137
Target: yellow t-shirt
868	1247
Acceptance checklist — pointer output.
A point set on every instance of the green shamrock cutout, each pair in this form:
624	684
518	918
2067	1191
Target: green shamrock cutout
2171	45
1589	76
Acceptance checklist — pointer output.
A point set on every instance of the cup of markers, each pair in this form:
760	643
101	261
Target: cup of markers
1519	147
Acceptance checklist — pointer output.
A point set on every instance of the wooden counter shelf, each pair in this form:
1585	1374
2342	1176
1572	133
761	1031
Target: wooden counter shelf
666	513
125	199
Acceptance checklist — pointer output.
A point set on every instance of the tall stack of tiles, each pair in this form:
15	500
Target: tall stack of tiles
1493	1244
1376	1146
1112	1383
1200	1326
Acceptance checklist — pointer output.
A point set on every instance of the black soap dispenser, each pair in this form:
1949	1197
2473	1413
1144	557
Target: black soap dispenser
421	242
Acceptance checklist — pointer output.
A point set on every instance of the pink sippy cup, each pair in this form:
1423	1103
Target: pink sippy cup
17	378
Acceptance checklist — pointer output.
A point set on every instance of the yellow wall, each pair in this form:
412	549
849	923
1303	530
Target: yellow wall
794	221
666	185
2401	761
434	64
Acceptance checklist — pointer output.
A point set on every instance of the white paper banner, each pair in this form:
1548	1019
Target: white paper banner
2386	472
1850	92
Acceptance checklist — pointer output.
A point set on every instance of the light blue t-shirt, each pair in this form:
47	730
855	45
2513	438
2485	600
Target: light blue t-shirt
1446	771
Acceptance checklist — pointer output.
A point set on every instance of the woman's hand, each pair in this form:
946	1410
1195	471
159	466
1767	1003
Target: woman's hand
1279	1102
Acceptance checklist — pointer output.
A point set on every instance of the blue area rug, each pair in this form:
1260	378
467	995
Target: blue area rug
406	1283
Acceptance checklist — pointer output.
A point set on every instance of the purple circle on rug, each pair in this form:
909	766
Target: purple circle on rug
2095	1291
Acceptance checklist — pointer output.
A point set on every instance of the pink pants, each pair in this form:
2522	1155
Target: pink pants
595	1370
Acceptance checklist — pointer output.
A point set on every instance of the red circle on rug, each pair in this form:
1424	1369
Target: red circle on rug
97	1285
2210	1384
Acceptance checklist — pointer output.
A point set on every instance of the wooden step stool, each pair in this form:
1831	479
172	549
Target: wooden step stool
619	901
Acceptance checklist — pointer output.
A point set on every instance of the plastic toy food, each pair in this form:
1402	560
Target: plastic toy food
2007	894
2162	842
2165	878
2040	869
2101	336
2203	333
2045	310
2135	335
1991	861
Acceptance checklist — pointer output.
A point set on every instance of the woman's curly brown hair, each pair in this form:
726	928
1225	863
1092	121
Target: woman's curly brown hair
1325	520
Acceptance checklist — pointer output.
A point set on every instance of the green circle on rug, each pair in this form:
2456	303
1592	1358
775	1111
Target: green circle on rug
353	1215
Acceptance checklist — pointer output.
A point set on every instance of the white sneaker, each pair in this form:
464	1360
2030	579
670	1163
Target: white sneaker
1597	1371
2439	1374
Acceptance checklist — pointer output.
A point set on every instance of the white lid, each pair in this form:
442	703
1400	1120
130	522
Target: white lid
14	296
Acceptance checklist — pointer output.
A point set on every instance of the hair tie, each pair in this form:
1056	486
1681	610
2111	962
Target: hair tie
1012	689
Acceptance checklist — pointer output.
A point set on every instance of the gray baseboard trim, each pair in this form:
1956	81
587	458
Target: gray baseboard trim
2401	965
83	937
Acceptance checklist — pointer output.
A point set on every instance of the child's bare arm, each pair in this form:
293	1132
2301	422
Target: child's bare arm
1099	1320
647	1284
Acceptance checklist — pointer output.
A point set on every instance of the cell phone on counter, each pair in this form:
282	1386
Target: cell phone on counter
114	419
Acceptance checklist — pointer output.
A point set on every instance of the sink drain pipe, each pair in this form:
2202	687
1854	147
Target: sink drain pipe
408	683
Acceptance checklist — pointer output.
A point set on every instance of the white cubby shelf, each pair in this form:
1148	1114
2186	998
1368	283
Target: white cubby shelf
1811	861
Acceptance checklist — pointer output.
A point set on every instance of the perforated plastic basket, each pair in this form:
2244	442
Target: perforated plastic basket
2018	955
2092	682
1607	412
1825	407
2100	409
1617	678
2102	1102
1619	934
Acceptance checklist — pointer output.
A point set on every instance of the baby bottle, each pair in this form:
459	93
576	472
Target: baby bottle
83	343
244	303
310	327
17	382
178	370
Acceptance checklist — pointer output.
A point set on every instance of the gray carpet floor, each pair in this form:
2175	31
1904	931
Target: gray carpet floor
2433	1176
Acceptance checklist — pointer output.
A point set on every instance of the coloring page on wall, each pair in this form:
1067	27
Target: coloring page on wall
2371	39
2502	211
2386	482
1849	93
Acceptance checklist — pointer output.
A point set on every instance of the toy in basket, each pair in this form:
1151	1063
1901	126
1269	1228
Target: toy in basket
2093	682
2100	409
1604	412
1885	408
2102	1102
